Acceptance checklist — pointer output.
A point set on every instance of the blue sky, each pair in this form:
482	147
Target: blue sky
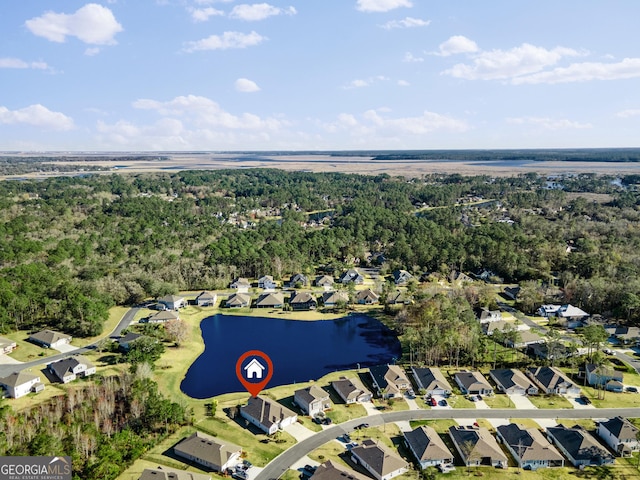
319	74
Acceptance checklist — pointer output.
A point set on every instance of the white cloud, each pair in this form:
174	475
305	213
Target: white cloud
203	14
258	11
457	44
381	5
408	22
247	86
92	24
632	112
36	115
403	83
410	58
361	83
586	71
226	41
549	123
505	64
203	112
92	51
9	62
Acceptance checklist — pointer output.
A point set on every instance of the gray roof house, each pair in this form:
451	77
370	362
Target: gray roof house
210	452
70	368
238	300
389	380
303	301
324	281
351	390
529	447
378	460
331	299
267	282
579	446
50	339
367	297
172	302
484	448
270	300
298	279
6	346
330	471
621	435
401	277
604	376
473	383
527	337
206	299
166	473
268	415
431	380
427	446
487	315
18	384
124	342
351	276
241	284
312	400
513	382
163	316
550	380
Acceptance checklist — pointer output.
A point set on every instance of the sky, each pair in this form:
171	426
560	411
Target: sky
225	75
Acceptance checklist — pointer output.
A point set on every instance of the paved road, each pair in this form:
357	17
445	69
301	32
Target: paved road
125	321
283	462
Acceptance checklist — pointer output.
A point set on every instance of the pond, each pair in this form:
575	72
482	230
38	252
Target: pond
300	350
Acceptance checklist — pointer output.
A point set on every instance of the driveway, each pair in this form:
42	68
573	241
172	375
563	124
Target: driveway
299	431
577	403
66	348
521	402
7	360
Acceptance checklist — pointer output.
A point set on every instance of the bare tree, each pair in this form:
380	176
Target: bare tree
177	331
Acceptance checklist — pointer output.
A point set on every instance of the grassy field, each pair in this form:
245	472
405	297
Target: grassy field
499	401
550	401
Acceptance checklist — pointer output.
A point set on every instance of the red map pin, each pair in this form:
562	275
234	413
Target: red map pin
254	370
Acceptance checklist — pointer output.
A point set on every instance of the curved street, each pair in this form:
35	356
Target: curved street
285	460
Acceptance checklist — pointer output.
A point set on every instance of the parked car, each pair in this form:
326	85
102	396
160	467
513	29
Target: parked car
443	403
445	467
433	402
585	400
631	389
327	421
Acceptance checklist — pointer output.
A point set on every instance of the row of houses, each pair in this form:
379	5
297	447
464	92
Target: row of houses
299	300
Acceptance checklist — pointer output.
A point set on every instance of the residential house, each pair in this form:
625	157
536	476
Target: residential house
6	346
621	435
50	339
267	282
299	279
427	447
351	390
529	447
330	471
270	300
513	382
625	335
460	277
303	301
241	284
172	302
389	380
333	298
487	315
550	380
70	368
268	415
18	384
207	299
526	338
477	446
351	276
579	446
431	380
324	281
163	316
399	297
473	383
124	342
166	473
366	297
401	277
378	460
566	315
238	300
602	376
542	351
312	400
207	451
512	292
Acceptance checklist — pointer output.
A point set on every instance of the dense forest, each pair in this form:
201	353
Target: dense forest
72	247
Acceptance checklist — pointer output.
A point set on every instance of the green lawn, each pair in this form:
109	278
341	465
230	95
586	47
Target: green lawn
440	426
550	401
459	401
499	401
